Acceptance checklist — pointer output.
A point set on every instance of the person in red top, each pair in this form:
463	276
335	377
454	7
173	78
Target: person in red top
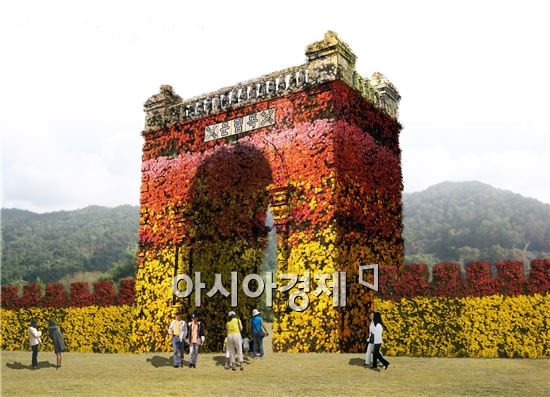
196	338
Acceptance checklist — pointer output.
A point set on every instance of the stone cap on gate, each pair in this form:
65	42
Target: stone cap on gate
327	60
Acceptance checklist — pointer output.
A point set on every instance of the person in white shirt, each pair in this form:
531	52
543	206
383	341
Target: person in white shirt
227	354
34	340
378	329
246	345
370	343
177	332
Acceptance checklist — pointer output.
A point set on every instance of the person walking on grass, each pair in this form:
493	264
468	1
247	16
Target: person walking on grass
57	340
227	354
234	341
246	344
196	338
34	340
370	342
258	334
177	332
378	329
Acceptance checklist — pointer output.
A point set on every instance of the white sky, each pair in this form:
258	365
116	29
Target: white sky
473	76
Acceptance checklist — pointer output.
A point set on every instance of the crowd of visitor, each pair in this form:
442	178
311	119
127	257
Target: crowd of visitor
192	334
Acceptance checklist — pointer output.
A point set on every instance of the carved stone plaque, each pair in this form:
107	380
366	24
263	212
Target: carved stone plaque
250	122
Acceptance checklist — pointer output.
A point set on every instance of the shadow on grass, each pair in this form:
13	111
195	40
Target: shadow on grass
358	362
220	360
19	365
160	361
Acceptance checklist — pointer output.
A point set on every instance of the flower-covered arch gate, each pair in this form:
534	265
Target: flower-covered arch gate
317	144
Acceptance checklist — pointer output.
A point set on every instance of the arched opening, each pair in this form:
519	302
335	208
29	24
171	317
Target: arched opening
226	216
270	262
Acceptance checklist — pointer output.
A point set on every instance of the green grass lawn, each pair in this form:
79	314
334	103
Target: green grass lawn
309	374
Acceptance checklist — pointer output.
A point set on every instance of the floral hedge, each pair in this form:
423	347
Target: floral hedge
489	326
86	329
102	294
445	317
447	280
203	205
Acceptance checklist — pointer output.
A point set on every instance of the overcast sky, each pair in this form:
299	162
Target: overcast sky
473	76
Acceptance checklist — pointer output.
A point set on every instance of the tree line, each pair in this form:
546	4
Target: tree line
471	221
448	222
55	245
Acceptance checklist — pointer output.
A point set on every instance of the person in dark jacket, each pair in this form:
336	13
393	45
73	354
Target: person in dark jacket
378	329
57	340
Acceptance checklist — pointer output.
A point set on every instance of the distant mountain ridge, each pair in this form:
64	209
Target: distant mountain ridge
55	244
467	221
450	221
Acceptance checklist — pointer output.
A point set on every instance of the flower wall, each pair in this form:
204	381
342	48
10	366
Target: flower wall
478	315
504	316
488	326
100	329
99	320
203	208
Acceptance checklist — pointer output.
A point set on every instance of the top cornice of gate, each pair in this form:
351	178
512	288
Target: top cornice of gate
327	60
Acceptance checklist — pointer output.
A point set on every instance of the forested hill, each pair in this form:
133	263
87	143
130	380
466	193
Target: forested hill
467	221
451	221
56	244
